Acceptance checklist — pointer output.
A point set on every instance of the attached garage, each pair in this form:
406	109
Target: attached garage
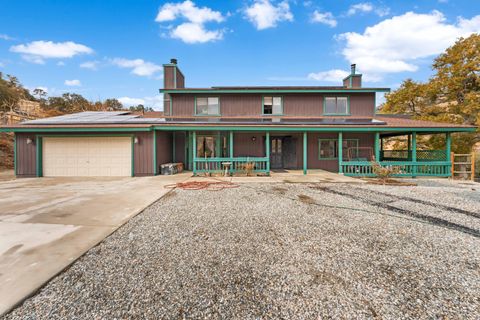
87	156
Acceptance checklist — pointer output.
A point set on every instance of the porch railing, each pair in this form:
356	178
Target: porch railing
406	168
406	155
237	164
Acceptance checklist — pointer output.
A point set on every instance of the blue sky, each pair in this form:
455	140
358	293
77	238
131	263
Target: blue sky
105	48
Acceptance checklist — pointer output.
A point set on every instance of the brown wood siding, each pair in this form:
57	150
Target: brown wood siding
168	77
183	105
26	155
180	79
243	146
180	139
303	105
240	105
143	154
357	82
164	148
362	104
307	105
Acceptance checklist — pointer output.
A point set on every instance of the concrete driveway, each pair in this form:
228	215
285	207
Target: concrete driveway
47	223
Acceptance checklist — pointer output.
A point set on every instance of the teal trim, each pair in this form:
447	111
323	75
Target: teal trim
243	128
171	105
448	146
155	168
231	144
209	165
39	156
194	152
300	128
305	147
266	91
407	168
15	154
207	115
133	157
377	146
340	152
272	114
414	151
336	114
267	150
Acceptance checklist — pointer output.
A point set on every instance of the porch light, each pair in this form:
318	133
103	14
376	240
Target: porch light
135	140
29	141
254	138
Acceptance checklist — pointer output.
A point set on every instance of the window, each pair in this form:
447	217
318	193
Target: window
207	106
336	105
212	146
328	149
272	105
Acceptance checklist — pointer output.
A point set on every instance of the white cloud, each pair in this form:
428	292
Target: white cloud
396	44
38	51
193	30
195	33
138	66
92	65
360	7
128	102
263	14
4	36
334	75
156	102
366	7
325	18
73	83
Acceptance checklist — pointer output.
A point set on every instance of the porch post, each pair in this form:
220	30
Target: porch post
340	152
194	152
377	146
448	146
305	153
414	154
231	144
267	150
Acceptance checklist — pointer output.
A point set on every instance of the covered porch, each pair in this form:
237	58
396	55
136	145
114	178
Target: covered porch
264	151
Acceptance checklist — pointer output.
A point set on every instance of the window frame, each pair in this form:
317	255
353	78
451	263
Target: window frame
208	115
357	142
336	114
263	105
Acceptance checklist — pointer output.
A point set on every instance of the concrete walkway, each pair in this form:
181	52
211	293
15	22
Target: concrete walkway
47	223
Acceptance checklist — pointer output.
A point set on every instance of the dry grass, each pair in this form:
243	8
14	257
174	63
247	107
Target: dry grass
306	199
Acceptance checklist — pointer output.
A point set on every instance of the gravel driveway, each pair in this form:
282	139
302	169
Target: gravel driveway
294	251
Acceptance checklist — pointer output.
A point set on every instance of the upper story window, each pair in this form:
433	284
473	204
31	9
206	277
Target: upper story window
336	106
272	105
207	106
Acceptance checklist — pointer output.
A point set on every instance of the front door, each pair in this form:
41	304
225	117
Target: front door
276	153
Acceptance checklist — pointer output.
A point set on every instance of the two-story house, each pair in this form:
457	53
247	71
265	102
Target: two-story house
333	128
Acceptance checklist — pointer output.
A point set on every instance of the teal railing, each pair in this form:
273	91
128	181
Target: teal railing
237	164
406	155
405	168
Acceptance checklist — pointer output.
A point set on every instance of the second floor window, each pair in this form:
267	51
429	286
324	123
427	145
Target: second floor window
336	105
207	106
272	105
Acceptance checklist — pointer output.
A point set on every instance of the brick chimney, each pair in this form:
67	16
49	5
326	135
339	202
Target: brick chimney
354	79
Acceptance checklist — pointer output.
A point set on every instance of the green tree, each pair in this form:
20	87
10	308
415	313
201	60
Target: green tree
451	95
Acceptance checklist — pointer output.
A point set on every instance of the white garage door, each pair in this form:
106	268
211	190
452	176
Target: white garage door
87	156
